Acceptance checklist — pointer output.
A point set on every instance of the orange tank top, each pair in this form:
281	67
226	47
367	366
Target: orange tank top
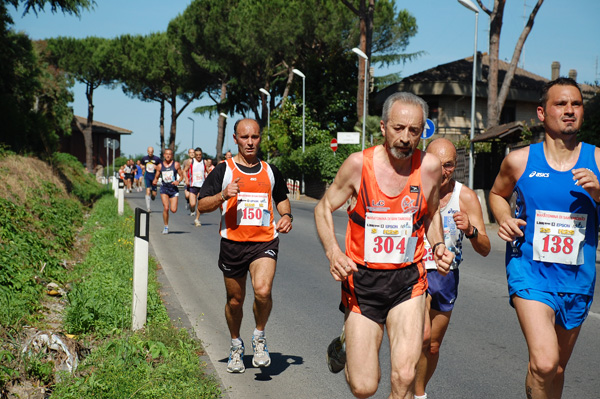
387	232
249	215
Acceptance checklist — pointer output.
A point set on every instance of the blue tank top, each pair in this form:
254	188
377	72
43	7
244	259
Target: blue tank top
541	188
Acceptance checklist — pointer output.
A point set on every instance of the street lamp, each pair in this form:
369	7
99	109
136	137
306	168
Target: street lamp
193	125
364	56
266	93
297	72
471	6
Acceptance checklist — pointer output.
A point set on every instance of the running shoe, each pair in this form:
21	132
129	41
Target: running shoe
193	213
336	355
261	356
166	230
235	364
149	210
197	223
153	196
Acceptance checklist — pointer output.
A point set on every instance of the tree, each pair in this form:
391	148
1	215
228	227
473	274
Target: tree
151	68
383	34
89	61
497	99
591	122
34	97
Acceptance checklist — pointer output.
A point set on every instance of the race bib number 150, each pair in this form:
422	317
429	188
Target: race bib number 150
253	209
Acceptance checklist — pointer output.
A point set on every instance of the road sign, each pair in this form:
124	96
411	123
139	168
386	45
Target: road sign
348	137
429	129
111	143
334	145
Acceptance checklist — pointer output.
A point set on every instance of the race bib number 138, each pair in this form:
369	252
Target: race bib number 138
559	237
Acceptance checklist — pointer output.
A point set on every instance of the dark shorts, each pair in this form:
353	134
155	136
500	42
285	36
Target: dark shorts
148	178
170	189
235	257
373	293
570	310
194	190
443	289
128	176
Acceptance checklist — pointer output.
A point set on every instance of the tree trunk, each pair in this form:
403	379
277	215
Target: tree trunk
496	100
365	13
286	91
221	123
162	127
87	132
173	131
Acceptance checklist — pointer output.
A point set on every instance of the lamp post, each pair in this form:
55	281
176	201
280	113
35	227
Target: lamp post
266	93
363	56
297	72
193	125
471	6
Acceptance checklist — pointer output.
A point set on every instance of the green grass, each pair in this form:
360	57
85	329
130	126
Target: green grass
37	238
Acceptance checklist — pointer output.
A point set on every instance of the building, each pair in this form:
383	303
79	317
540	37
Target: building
75	145
447	89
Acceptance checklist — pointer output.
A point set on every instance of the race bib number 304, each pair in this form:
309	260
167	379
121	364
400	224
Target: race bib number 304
559	237
253	209
388	238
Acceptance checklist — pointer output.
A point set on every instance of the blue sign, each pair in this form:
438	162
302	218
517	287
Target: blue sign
429	129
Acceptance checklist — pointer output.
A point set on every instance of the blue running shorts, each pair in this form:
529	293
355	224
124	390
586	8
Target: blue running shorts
443	289
571	310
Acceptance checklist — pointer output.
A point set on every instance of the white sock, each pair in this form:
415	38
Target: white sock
236	342
258	333
147	202
421	397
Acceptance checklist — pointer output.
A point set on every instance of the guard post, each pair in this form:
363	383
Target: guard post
121	197
115	186
140	269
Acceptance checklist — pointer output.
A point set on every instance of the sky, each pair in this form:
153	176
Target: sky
566	31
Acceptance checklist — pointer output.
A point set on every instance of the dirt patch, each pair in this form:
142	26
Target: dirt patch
22	175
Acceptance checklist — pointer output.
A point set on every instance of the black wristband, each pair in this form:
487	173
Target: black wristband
475	233
435	246
290	215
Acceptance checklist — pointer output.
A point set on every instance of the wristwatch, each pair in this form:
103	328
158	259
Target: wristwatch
474	235
290	215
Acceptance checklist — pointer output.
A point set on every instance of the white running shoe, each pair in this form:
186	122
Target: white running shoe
261	356
235	364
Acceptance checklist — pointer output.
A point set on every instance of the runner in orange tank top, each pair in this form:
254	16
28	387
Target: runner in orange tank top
244	188
394	189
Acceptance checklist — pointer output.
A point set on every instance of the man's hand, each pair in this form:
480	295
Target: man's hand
284	225
232	189
510	229
340	266
462	222
443	258
589	181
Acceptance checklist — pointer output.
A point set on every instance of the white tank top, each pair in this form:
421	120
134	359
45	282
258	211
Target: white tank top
196	173
452	235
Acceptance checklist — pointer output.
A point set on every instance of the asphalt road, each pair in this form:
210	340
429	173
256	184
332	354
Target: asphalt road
484	354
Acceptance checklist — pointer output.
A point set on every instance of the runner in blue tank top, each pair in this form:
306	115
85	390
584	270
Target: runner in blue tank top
171	174
551	236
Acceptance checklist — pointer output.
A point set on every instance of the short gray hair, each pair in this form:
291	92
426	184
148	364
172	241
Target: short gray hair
405	98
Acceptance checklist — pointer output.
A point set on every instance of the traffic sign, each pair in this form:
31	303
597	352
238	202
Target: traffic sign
334	145
429	129
111	143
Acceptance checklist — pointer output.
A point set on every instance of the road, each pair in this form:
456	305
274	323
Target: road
484	354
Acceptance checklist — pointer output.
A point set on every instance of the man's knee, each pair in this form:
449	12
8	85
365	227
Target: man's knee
544	368
363	387
404	376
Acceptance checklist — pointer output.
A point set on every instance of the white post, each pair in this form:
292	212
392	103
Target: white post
121	197
115	186
140	269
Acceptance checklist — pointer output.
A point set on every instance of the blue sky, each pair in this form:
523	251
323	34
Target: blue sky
566	31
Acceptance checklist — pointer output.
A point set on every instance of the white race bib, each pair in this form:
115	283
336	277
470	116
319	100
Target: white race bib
253	209
559	237
388	238
198	178
168	176
150	167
